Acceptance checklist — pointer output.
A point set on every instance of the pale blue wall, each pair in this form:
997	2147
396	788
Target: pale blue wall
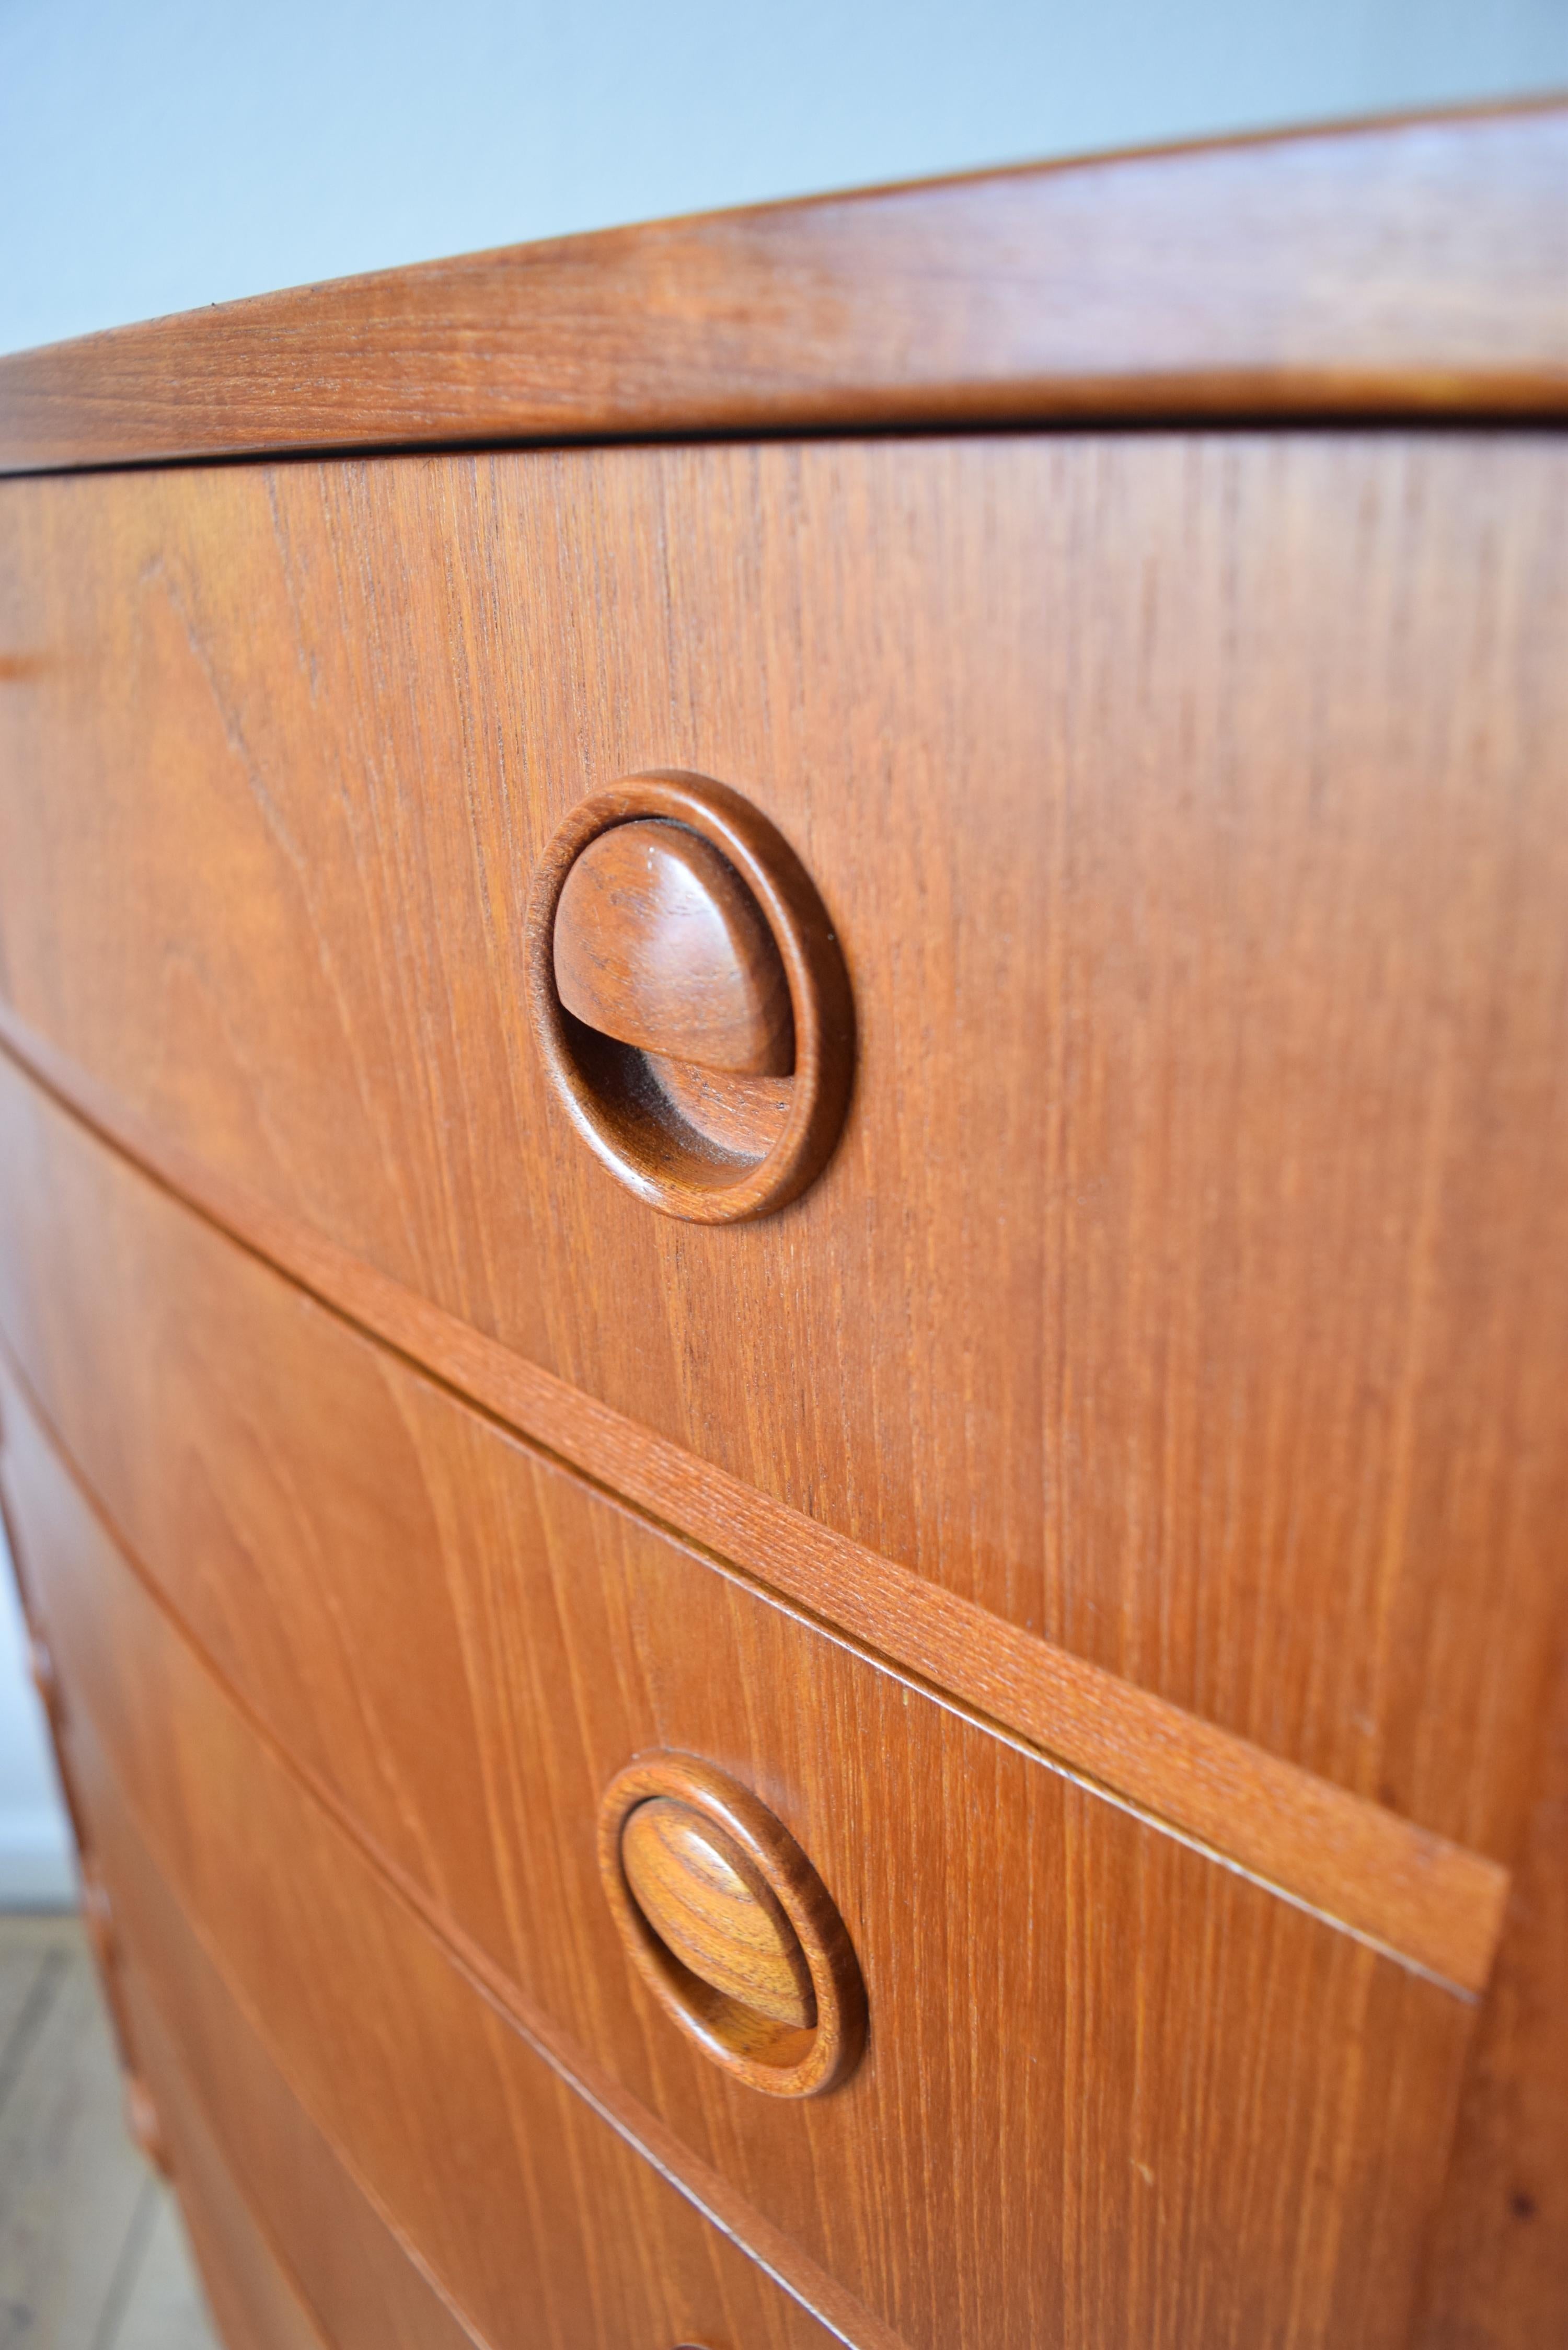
35	1848
182	151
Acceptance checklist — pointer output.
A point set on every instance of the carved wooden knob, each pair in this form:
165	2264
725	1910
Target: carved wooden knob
659	943
41	1672
97	1920
690	997
708	1903
143	2127
730	1926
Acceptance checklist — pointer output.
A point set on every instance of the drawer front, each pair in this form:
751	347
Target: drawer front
460	1644
536	2221
1190	810
244	2152
643	2272
250	2290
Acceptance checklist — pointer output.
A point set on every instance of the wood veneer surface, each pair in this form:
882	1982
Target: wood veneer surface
1191	814
232	2120
1433	1902
666	2277
311	1440
412	2087
1500	2273
1260	2168
253	2297
1381	268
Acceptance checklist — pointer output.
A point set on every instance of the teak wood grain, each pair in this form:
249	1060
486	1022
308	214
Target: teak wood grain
585	2222
1500	2275
1191	814
253	2293
708	1905
1382	268
658	942
639	2269
248	2155
129	1341
1258	2170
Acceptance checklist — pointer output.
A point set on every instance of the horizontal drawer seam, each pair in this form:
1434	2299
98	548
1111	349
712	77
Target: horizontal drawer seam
1433	1904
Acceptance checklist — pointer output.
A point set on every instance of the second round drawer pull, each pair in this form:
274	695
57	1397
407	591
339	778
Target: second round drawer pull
715	1911
730	1926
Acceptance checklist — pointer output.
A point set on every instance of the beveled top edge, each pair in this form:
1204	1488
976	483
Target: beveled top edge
1408	267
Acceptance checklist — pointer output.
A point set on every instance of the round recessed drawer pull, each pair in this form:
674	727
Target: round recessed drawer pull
690	997
730	1926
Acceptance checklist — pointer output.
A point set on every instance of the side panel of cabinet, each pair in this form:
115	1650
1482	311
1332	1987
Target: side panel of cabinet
1499	2277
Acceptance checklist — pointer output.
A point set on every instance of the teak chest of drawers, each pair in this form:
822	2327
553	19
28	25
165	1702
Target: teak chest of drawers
782	1232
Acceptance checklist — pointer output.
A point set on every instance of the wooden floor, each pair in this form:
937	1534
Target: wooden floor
92	2254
